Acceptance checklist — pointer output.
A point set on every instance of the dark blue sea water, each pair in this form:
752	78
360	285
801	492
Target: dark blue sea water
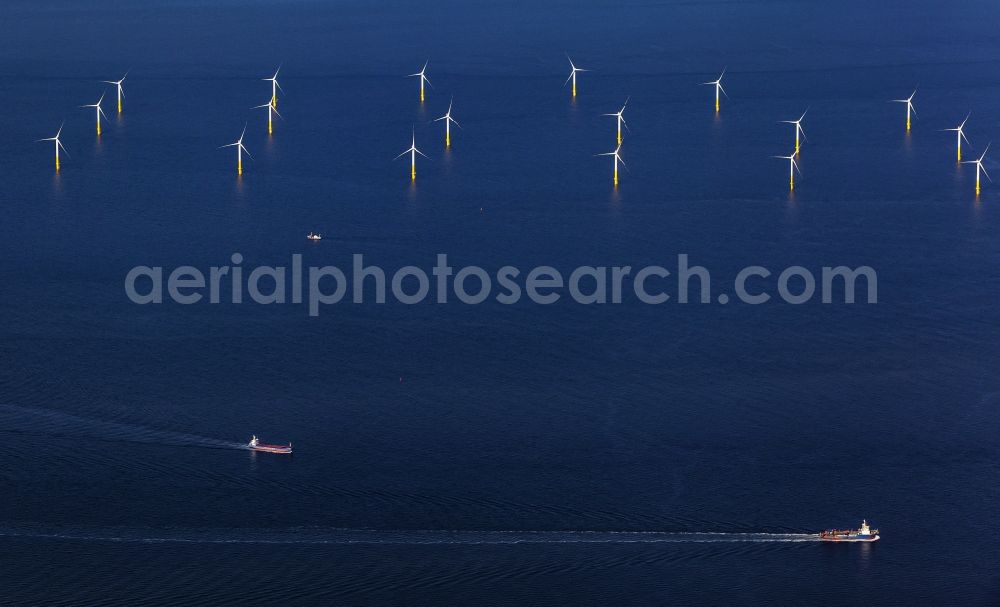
491	454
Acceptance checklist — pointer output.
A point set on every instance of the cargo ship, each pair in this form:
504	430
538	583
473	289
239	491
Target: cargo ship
256	445
862	534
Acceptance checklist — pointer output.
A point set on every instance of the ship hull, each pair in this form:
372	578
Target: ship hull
849	538
272	449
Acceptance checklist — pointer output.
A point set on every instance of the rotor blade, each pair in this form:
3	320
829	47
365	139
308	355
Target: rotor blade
802	130
441	118
101	111
570	77
277	84
263	105
912	109
723	90
428	81
455	122
59	143
247	151
962	135
421	153
625	124
619	158
228	145
401	155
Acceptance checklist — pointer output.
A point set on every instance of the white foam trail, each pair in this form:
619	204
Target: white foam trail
50	421
405	537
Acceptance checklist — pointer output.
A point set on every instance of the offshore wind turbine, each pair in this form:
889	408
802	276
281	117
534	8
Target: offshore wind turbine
58	144
275	87
423	78
961	135
979	167
121	93
618	159
572	74
909	107
270	109
792	167
240	148
718	88
98	111
412	151
447	123
798	129
621	119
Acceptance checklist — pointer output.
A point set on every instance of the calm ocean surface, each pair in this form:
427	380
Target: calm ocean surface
526	454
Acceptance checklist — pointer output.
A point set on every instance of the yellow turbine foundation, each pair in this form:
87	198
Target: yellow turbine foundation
57	163
447	139
119	106
274	101
619	134
98	127
616	176
239	167
907	122
413	172
269	128
791	184
960	152
977	185
574	86
421	91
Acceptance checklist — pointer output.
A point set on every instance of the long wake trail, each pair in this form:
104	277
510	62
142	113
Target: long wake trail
310	536
35	420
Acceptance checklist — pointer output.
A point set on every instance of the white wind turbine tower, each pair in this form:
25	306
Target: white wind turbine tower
572	74
98	111
909	107
961	136
422	74
240	148
618	159
792	167
979	167
275	87
270	109
121	93
798	129
717	83
58	144
447	123
412	151
621	119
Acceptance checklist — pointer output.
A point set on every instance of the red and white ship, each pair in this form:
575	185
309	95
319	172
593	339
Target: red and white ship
256	445
863	534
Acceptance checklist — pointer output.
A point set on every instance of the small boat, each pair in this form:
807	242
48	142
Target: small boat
314	236
862	534
256	445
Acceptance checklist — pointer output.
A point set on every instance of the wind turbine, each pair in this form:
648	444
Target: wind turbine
798	130
275	87
447	124
909	107
718	87
412	151
572	74
618	159
961	135
270	109
792	167
423	79
121	93
621	119
979	167
240	148
98	111
58	143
